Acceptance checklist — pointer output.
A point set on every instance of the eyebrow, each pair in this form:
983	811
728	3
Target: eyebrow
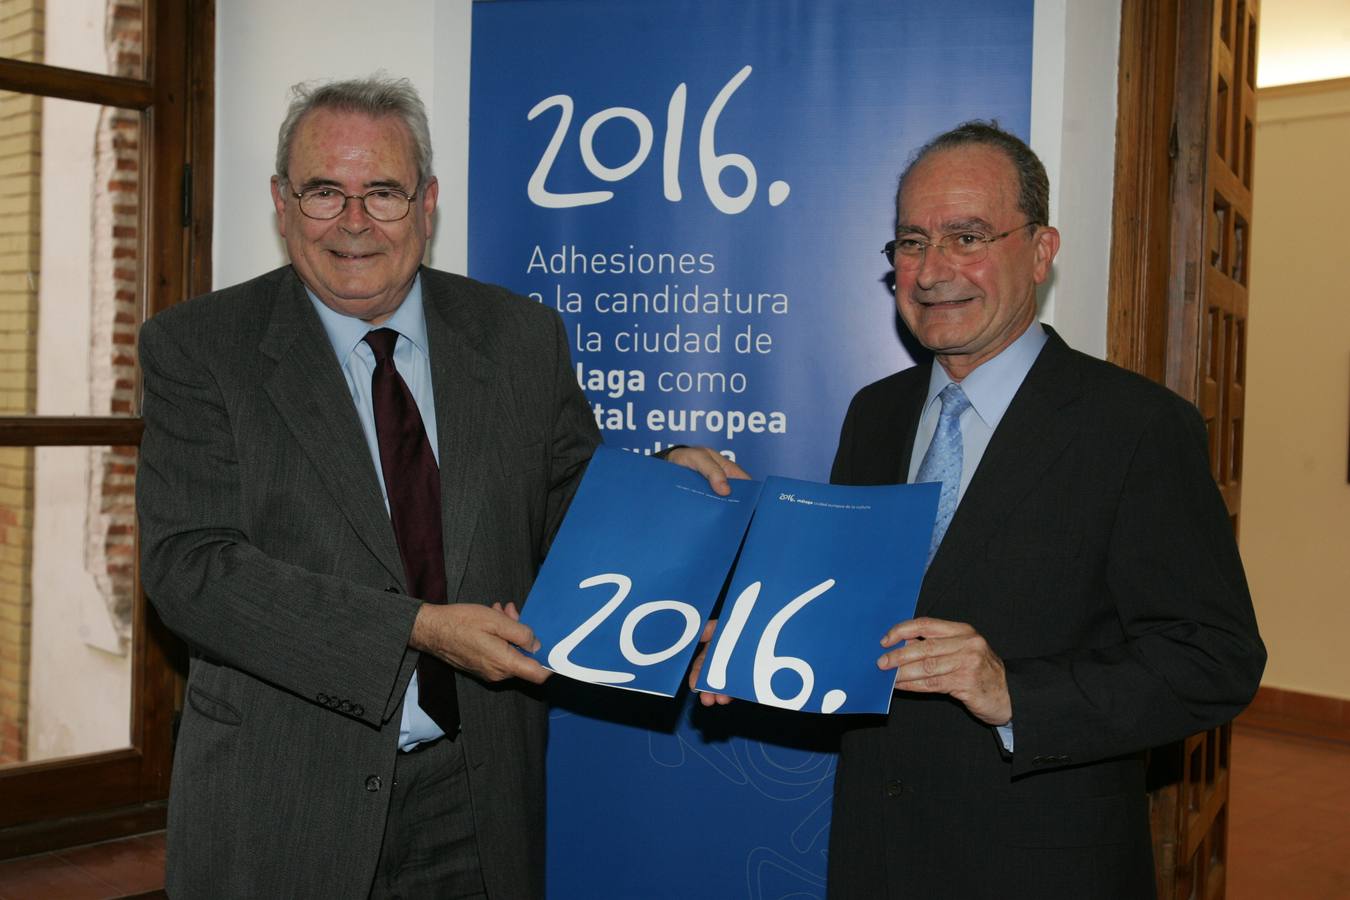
376	185
974	223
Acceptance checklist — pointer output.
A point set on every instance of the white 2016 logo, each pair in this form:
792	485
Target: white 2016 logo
767	662
710	162
558	656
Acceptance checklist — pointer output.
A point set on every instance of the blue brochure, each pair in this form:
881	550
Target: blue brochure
635	571
825	571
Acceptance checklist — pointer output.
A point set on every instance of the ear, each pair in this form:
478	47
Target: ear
1047	245
430	194
279	201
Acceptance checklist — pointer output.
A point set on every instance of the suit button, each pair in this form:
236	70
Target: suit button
358	710
392	590
322	698
894	787
373	783
1038	760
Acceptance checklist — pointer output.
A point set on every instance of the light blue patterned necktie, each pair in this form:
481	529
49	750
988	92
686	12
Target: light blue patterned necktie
942	462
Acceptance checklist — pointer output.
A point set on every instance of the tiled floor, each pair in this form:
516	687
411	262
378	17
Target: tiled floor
1289	834
1289	818
133	867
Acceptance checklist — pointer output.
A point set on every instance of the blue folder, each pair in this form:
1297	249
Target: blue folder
825	571
635	572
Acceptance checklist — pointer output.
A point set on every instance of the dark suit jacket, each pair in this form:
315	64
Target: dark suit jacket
1093	552
266	546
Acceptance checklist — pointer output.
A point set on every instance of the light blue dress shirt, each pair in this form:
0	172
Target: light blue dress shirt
990	389
413	361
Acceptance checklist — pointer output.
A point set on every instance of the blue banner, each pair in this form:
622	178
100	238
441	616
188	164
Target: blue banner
702	190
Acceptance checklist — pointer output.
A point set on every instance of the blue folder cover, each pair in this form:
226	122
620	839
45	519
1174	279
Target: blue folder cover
825	571
635	571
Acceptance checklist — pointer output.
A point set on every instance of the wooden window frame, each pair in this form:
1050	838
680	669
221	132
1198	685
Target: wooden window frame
73	800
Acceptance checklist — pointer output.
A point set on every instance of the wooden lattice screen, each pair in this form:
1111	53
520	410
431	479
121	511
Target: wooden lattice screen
1202	802
1178	313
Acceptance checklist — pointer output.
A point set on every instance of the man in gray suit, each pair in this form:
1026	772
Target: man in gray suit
321	753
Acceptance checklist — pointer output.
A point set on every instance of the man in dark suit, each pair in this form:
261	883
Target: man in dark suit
346	732
1086	601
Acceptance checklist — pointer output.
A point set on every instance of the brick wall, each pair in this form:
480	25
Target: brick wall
21	37
110	539
115	567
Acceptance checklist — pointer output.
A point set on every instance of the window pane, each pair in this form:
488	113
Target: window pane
70	254
66	585
101	36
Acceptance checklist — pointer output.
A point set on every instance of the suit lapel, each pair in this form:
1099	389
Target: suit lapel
888	436
902	426
1031	436
466	401
310	393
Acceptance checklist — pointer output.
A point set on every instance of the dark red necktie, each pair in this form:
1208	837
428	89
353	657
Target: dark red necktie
413	485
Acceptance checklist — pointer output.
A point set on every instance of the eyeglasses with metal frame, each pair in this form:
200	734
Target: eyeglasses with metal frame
382	204
962	248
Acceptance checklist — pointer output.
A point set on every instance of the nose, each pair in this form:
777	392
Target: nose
934	267
354	218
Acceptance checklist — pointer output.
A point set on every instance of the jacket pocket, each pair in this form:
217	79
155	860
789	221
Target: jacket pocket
213	708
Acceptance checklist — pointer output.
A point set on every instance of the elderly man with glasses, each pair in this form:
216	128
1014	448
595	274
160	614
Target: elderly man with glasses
352	467
1084	599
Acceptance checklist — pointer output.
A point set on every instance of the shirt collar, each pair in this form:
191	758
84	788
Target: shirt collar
991	386
345	332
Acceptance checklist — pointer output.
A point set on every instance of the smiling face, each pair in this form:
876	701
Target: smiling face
968	314
354	264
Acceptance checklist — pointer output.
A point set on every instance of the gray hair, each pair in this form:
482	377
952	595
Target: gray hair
1033	184
376	96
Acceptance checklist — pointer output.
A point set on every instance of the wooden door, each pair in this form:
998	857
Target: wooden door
1182	220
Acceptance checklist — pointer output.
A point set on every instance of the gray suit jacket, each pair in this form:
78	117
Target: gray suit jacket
1093	552
266	546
